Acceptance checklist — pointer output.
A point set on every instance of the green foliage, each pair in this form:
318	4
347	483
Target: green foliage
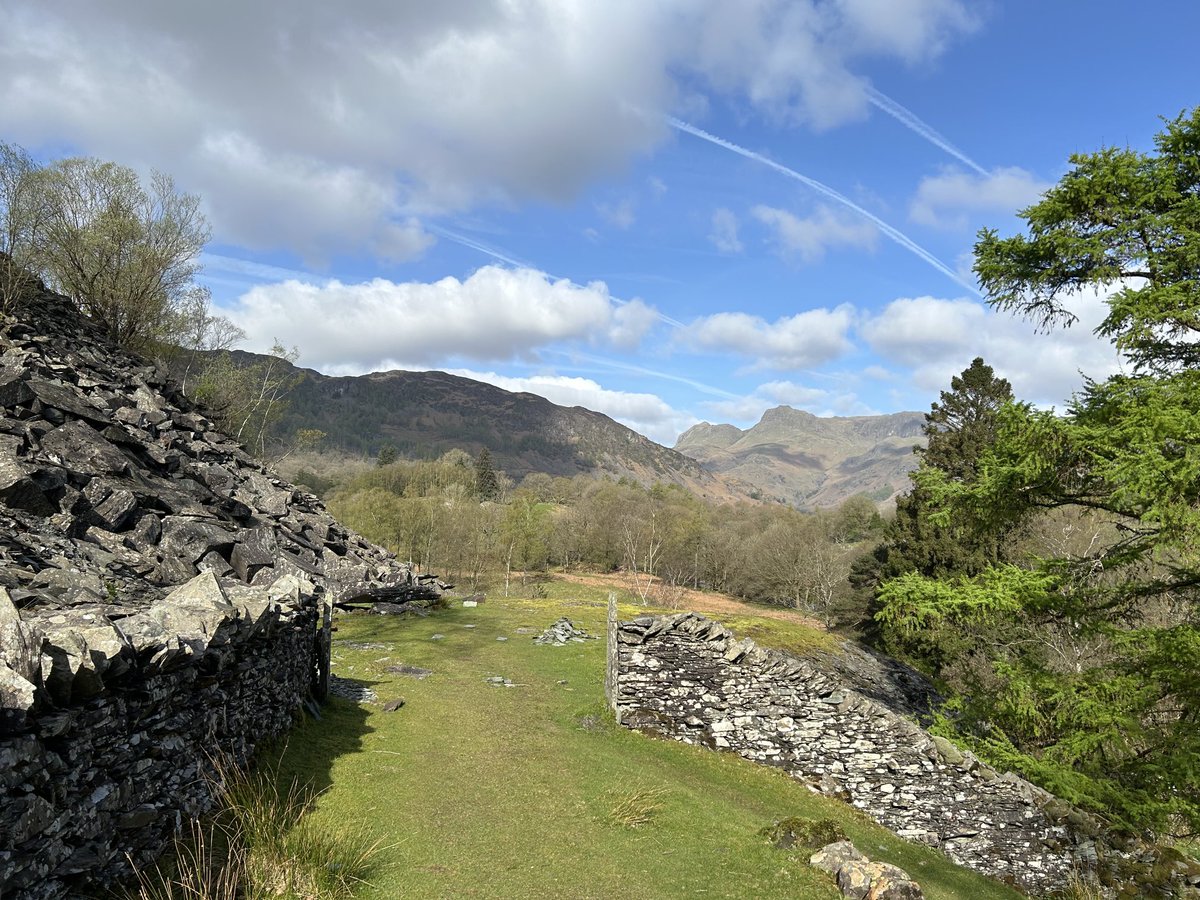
1117	218
124	251
23	215
1089	681
959	428
247	399
486	485
387	455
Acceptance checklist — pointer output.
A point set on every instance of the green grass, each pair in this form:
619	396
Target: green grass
474	790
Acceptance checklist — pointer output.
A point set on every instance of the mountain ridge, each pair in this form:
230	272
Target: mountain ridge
811	461
429	413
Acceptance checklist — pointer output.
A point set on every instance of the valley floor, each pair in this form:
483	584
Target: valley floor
479	789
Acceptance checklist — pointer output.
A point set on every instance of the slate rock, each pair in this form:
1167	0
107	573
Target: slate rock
19	490
832	857
20	644
83	448
256	550
861	880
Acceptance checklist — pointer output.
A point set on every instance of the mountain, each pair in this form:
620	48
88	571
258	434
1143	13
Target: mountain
424	414
812	461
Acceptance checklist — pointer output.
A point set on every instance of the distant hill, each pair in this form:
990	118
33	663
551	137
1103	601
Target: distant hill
424	414
811	461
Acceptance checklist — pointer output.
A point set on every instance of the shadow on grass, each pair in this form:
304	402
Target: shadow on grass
313	746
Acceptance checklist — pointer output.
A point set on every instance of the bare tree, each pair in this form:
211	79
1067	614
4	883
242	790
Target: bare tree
641	541
197	329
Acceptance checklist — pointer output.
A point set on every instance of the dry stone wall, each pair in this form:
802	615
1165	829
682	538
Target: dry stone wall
690	679
163	598
121	753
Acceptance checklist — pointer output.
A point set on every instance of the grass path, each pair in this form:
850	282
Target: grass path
484	791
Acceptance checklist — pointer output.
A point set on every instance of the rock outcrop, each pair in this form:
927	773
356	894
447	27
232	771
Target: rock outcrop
161	597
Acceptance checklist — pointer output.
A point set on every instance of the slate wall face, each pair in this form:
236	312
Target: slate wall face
690	679
113	769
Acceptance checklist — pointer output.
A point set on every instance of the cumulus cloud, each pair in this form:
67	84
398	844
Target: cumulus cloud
792	59
946	200
913	30
495	314
724	233
809	238
306	123
794	342
936	339
646	414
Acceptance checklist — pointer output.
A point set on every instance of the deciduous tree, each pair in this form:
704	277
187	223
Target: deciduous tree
124	251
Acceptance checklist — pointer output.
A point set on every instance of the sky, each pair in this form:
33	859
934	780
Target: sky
670	212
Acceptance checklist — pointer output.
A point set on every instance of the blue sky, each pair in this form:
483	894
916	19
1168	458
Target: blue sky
669	212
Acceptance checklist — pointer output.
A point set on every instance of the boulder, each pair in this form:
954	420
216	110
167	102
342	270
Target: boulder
861	879
84	449
256	550
832	857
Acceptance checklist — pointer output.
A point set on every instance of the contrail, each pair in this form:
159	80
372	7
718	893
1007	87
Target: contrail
653	373
898	236
912	121
475	245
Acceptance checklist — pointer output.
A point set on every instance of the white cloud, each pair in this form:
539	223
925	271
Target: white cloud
913	30
646	414
936	339
724	234
946	200
795	342
810	238
630	323
791	59
495	314
315	125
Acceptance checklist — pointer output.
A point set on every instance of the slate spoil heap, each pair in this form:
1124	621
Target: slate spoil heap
561	633
160	601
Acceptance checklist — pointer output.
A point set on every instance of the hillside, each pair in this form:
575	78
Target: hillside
811	461
424	414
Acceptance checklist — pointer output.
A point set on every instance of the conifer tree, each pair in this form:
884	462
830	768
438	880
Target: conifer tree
487	486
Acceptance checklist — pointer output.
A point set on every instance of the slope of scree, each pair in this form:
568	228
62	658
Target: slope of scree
114	488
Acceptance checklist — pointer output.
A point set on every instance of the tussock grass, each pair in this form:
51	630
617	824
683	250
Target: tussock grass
260	844
1080	887
638	807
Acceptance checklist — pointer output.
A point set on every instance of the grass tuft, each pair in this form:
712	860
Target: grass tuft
805	834
1080	887
638	808
261	844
